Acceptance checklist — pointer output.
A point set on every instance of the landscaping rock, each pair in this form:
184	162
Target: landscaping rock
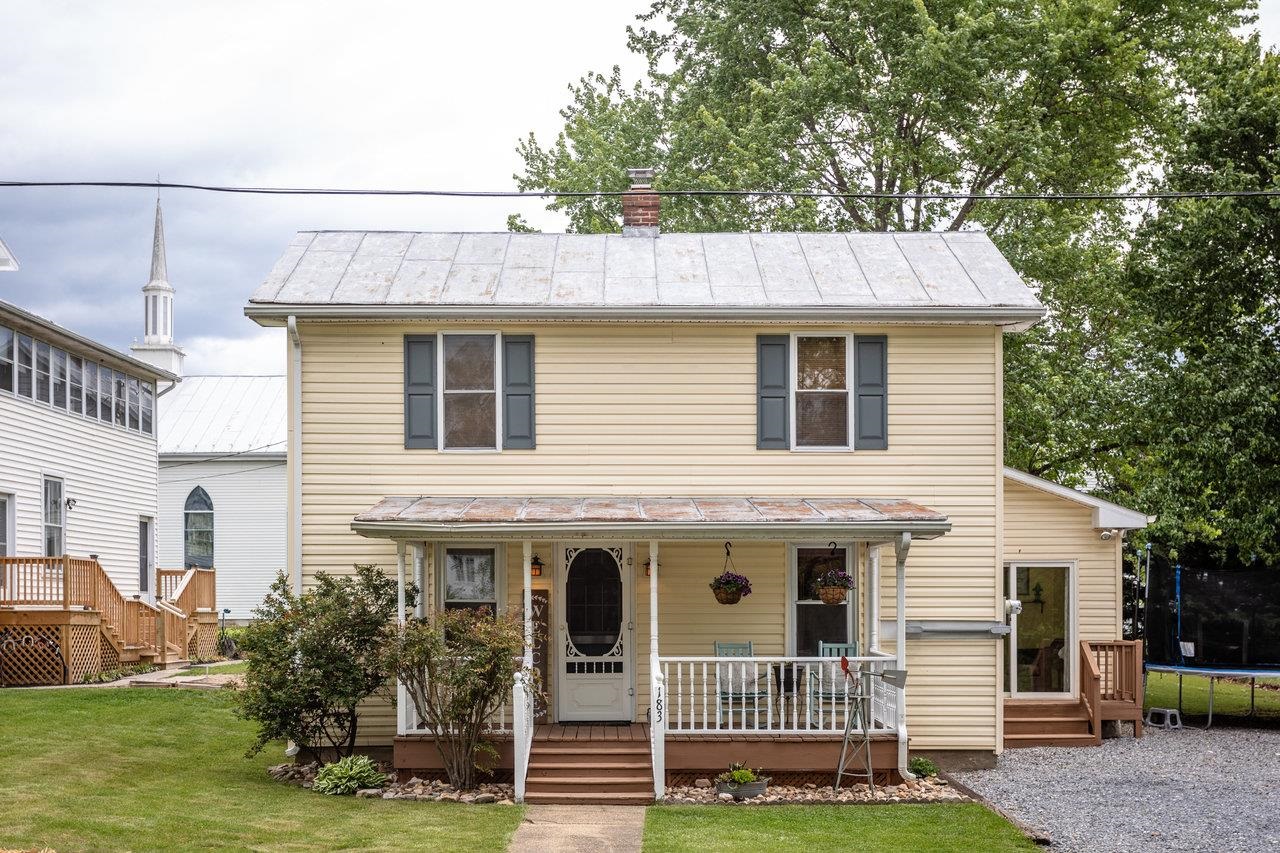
702	783
486	798
369	793
925	790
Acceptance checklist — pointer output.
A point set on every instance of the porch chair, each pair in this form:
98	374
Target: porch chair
736	689
828	689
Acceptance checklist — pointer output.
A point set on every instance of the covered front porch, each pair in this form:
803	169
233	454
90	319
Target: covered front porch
627	638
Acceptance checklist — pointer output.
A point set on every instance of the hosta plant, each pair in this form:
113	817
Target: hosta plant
348	775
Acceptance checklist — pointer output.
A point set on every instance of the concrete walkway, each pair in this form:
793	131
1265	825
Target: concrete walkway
574	829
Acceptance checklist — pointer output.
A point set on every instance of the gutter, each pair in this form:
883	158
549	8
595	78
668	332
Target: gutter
278	314
293	454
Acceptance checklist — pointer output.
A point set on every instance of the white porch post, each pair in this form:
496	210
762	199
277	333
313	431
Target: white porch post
528	604
657	686
420	577
901	546
402	696
873	598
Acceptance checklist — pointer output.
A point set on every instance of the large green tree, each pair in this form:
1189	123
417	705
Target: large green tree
916	98
1206	273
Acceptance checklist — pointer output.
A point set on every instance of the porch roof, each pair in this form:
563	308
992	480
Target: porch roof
643	517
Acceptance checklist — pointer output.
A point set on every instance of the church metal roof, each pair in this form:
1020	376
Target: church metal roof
224	415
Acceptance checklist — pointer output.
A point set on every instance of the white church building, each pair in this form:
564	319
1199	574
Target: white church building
222	442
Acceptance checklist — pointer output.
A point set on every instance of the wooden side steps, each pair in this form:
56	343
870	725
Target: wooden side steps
1047	722
590	772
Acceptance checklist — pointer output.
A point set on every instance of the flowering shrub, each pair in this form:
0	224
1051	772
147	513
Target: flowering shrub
835	577
732	581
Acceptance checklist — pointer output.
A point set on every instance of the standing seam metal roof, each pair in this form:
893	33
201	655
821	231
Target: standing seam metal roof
223	415
749	270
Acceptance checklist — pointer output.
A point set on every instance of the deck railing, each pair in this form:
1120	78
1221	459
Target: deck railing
774	695
167	581
500	722
1119	664
1091	691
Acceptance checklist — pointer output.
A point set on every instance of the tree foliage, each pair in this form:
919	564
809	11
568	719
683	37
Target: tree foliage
458	668
314	657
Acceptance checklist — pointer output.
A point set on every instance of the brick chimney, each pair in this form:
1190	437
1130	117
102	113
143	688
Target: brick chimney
640	205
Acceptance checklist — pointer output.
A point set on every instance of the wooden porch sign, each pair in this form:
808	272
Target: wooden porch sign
541	604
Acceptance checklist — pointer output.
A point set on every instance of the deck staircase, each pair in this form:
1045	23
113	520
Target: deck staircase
590	765
63	619
1110	689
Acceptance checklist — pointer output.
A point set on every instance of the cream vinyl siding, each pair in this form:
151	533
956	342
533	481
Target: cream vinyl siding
109	472
662	410
249	519
1043	527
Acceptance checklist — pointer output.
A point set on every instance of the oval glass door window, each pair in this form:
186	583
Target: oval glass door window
593	602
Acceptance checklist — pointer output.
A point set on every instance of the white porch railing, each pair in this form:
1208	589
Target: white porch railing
775	695
522	737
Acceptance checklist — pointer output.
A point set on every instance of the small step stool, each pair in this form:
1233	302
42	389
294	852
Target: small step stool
1164	718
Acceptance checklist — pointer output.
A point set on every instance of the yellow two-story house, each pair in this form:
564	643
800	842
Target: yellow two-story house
588	429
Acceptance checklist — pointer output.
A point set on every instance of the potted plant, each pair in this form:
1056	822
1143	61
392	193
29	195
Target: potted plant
833	586
729	587
741	782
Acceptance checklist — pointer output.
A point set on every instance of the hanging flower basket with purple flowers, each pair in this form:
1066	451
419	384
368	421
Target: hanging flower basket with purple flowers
834	585
729	586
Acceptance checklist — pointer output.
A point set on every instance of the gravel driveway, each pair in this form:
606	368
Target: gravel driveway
1173	790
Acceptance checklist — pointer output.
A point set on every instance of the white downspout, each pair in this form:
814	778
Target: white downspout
294	455
657	686
901	546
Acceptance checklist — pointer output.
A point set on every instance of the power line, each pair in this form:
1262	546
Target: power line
227	474
720	193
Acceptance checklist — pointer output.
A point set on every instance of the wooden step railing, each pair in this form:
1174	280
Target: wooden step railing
167	581
1119	664
1091	690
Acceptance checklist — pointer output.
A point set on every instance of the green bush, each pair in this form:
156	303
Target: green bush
739	774
348	775
921	766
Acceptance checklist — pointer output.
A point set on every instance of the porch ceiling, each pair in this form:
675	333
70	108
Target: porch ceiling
643	517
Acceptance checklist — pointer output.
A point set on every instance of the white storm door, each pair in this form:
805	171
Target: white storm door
595	634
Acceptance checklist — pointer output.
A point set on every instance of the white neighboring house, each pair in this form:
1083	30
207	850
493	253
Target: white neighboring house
78	452
222	483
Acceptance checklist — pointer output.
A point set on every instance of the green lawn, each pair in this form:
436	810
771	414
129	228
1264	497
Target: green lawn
1230	699
125	769
942	827
231	668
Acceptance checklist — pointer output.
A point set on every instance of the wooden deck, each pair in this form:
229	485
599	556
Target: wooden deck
62	620
592	732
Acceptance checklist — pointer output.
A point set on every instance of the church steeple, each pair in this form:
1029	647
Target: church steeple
157	345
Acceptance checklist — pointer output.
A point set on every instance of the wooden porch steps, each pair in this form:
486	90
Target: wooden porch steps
1047	722
589	771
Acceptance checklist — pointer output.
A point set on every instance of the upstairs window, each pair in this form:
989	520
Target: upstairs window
7	342
75	381
135	404
119	394
822	392
90	390
59	362
197	538
43	376
470	411
148	407
105	406
26	381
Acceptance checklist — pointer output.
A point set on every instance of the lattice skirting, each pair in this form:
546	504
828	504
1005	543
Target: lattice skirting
86	651
31	654
107	652
789	777
204	642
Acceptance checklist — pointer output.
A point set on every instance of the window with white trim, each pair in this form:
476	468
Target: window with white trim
43	377
471	579
197	538
75	384
6	527
821	411
7	343
814	622
26	381
469	414
55	533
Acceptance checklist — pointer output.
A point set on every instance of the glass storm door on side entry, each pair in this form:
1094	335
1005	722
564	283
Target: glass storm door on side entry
595	678
1042	642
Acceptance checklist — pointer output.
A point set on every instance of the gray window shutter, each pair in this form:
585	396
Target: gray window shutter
420	391
517	392
871	392
773	392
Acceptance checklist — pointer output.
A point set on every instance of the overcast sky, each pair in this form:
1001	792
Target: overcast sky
375	94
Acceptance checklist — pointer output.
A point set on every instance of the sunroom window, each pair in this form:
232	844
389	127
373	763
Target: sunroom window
822	392
470	392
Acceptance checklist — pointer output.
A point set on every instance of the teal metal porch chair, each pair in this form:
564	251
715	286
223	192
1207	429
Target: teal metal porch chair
827	690
737	685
